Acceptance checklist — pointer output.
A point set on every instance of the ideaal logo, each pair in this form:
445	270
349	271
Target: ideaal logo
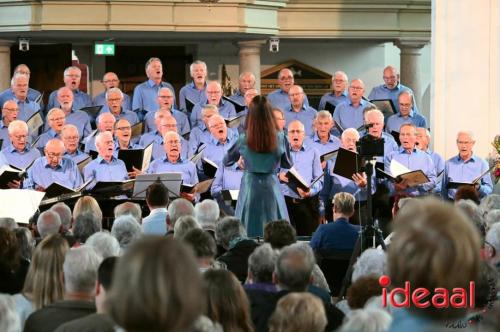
423	298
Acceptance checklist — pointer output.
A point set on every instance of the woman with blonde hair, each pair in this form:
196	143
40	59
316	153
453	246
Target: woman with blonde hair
44	283
87	204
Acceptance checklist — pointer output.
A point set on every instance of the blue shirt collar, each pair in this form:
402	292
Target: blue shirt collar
316	138
396	88
362	102
411	115
471	159
100	160
46	163
403	150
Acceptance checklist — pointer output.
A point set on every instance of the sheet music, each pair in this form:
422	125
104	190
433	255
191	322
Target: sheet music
19	204
146	159
397	168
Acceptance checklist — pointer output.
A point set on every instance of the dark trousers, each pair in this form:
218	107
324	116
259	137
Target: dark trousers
304	214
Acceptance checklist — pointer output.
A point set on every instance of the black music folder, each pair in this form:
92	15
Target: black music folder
329	155
209	167
235	121
189	105
57	189
456	185
386	106
81	165
237	106
92	111
330	107
348	163
138	158
295	180
395	134
113	188
200	187
9	173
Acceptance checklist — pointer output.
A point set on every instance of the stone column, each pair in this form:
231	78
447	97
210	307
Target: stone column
250	58
410	65
5	73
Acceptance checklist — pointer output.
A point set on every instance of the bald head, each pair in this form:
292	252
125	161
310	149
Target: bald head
54	152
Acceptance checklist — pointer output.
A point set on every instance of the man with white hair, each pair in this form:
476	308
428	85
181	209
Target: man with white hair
207	214
176	209
73	115
27	107
56	119
80	275
72	77
104	244
465	168
349	114
105	167
322	140
48	223
214	97
114	100
10	111
111	81
164	123
246	81
194	91
339	91
71	140
105	122
126	230
18	152
200	134
298	110
53	167
8	94
65	215
165	101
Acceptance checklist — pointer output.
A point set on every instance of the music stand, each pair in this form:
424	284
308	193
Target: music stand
172	181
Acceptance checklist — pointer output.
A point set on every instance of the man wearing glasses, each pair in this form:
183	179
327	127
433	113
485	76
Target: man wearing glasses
56	121
164	123
406	114
10	110
279	97
71	140
114	99
18	152
349	114
214	97
165	101
339	93
72	77
53	167
110	80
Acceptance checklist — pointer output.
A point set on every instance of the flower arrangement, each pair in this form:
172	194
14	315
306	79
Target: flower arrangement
496	160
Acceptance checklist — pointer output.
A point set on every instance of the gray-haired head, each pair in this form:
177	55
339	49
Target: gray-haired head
126	229
492	217
26	243
261	263
323	115
473	214
113	90
80	270
294	267
10	318
17	76
183	225
493	238
17	126
85	225
64	213
197	62
371	262
178	208
228	229
48	223
129	208
490	202
7	222
369	319
66	71
104	244
207	213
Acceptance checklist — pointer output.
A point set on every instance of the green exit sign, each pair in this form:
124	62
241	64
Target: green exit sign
104	49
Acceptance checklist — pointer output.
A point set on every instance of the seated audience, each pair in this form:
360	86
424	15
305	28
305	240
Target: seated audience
87	204
298	312
150	292
230	233
204	248
227	303
362	290
126	230
467	192
132	209
85	225
104	244
177	208
80	274
367	320
371	262
279	234
48	223
183	225
207	213
157	201
473	214
13	268
491	218
26	242
9	223
65	216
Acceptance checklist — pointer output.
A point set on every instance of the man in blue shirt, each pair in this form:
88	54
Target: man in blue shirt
465	168
172	162
423	140
391	88
53	167
72	116
8	94
322	140
18	152
165	123
214	97
300	111
72	77
339	93
413	159
144	99
194	91
339	234
113	103
200	133
165	101
110	80
105	122
405	115
56	121
349	114
157	201
303	205
246	82
123	136
10	110
279	98
105	168
27	107
71	140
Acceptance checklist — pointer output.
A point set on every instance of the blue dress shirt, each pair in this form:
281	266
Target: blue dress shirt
306	162
80	120
189	91
383	92
19	159
439	165
77	156
332	99
100	99
337	235
42	175
279	98
348	116
186	167
146	93
226	178
226	110
81	100
45	137
215	150
26	109
8	94
183	126
456	170
3	160
101	171
158	150
156	222
417	160
395	121
4	134
333	143
199	135
306	115
238	97
130	116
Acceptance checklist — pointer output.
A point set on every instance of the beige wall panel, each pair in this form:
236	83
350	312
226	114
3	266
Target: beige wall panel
66	16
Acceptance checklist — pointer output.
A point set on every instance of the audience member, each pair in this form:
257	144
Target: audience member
80	274
298	312
183	225
279	234
157	201
126	230
473	214
176	209
26	242
87	204
207	213
491	218
85	225
9	321
367	320
65	216
204	247
490	202
9	223
362	290
128	208
227	303
371	262
467	192
231	235
48	223
152	291
104	244
13	267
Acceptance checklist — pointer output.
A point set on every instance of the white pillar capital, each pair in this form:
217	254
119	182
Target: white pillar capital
5	63
249	54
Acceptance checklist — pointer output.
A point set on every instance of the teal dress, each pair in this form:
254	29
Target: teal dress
260	199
